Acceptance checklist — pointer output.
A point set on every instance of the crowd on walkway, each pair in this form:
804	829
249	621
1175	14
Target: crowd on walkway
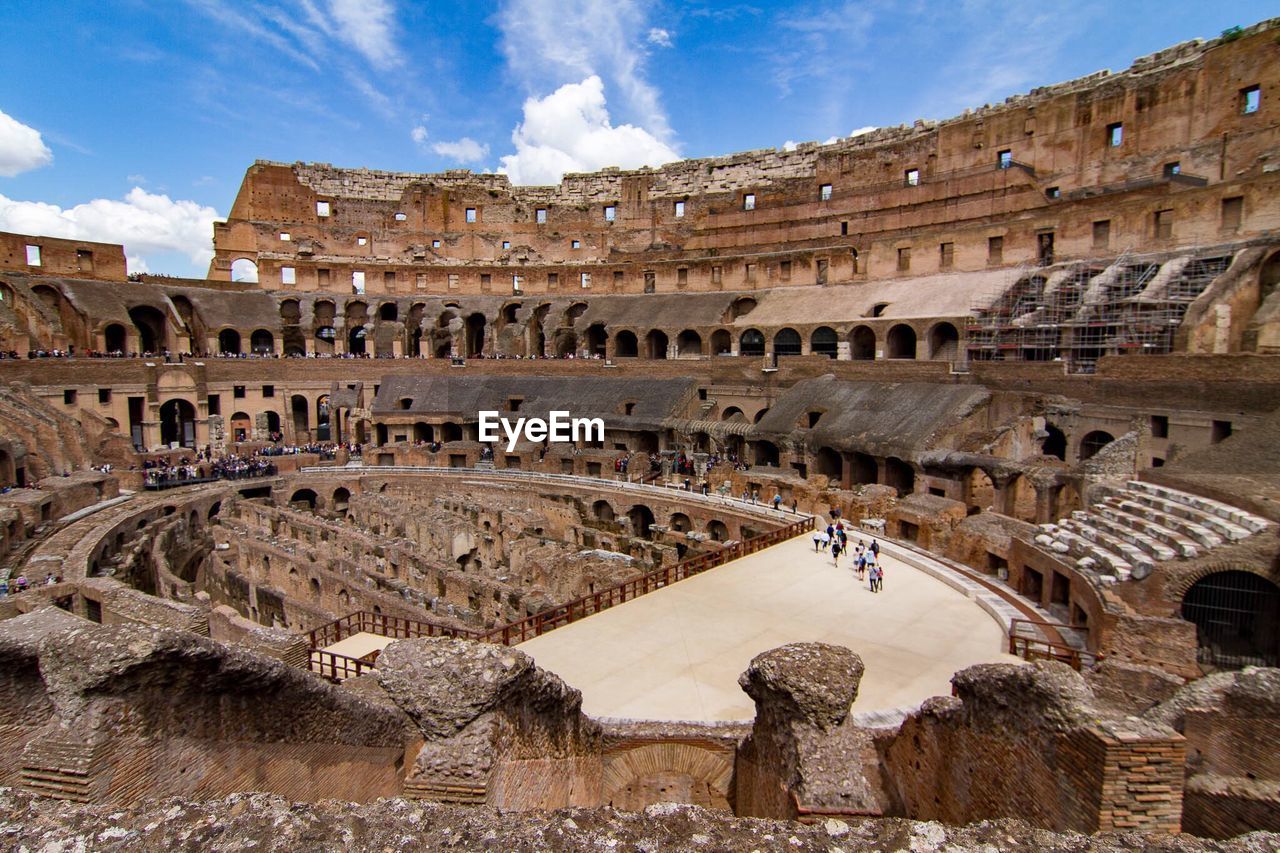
205	466
13	586
866	565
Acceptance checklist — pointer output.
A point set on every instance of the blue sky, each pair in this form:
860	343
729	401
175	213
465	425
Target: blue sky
133	120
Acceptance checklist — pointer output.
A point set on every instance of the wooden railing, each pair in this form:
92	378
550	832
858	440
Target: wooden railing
1045	647
384	625
588	605
337	667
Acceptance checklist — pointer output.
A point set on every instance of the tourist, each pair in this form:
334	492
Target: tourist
835	552
817	540
777	501
875	548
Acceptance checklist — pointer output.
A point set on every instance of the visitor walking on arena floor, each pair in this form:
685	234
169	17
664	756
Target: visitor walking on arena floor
835	552
875	577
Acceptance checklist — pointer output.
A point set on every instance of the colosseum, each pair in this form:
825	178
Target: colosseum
262	564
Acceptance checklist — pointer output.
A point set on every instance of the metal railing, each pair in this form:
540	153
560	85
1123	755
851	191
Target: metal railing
1042	646
336	667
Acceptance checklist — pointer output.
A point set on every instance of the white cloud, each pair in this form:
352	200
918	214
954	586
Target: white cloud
144	222
21	148
658	37
859	131
419	135
569	131
464	150
547	44
368	26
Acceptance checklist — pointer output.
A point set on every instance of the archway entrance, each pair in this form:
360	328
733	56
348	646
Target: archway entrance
178	423
114	338
1237	619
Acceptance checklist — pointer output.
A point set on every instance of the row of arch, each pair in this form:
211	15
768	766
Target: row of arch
900	341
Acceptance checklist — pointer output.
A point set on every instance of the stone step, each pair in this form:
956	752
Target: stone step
1197	533
1099	558
1218	525
1126	531
1138	563
1237	516
1179	544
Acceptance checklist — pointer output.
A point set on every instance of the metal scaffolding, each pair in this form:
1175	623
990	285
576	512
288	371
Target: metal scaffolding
1078	312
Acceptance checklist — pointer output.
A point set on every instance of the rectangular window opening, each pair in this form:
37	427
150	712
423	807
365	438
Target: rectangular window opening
104	396
586	279
357	282
1115	135
323	208
682	276
84	260
553	280
69	396
1163	224
1159	426
1232	212
946	255
1220	431
995	250
285	236
540	216
1171	169
904	259
471	214
679	210
575	244
1102	234
784	270
610	213
288	275
1250	100
33	255
824	192
749	201
1004	159
912	177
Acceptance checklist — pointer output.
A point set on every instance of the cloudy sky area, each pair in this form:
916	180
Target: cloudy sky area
133	120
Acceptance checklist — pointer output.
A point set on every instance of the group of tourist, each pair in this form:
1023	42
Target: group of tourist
22	584
159	475
866	558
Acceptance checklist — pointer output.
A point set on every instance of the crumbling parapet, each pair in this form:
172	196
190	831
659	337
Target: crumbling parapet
804	756
497	728
1028	741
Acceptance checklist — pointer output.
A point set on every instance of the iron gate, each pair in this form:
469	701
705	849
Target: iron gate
1237	619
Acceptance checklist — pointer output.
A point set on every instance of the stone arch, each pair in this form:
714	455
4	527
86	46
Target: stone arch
642	520
388	312
733	413
864	470
240	427
625	344
1094	441
358	341
900	342
824	341
656	343
679	772
305	497
301	412
740	307
178	422
1236	612
829	463
262	342
229	342
899	474
597	340
1020	499
979	491
602	510
680	522
1055	442
721	342
764	453
751	342
862	343
787	342
717	530
423	432
152	327
244	269
115	339
944	342
474	340
1269	276
688	344
341	499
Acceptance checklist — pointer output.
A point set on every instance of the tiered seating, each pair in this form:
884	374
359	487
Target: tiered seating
1141	524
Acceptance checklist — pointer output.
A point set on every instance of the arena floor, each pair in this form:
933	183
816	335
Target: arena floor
676	654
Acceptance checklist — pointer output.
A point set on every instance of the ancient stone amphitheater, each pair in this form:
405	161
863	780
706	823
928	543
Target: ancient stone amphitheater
264	584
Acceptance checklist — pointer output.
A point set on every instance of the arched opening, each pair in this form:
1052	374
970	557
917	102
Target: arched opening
862	344
829	464
979	491
625	345
475	335
603	511
262	342
303	499
1055	442
243	269
901	342
751	342
733	413
944	342
178	423
151	327
900	475
680	522
114	338
597	340
688	344
451	432
388	312
1237	619
273	424
565	341
300	410
323	430
229	342
864	470
824	341
759	416
357	341
656	344
717	530
764	453
1093	442
341	499
423	432
721	342
241	427
290	312
1020	499
787	342
325	336
641	521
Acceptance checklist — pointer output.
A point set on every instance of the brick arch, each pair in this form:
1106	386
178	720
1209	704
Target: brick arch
672	771
1178	589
